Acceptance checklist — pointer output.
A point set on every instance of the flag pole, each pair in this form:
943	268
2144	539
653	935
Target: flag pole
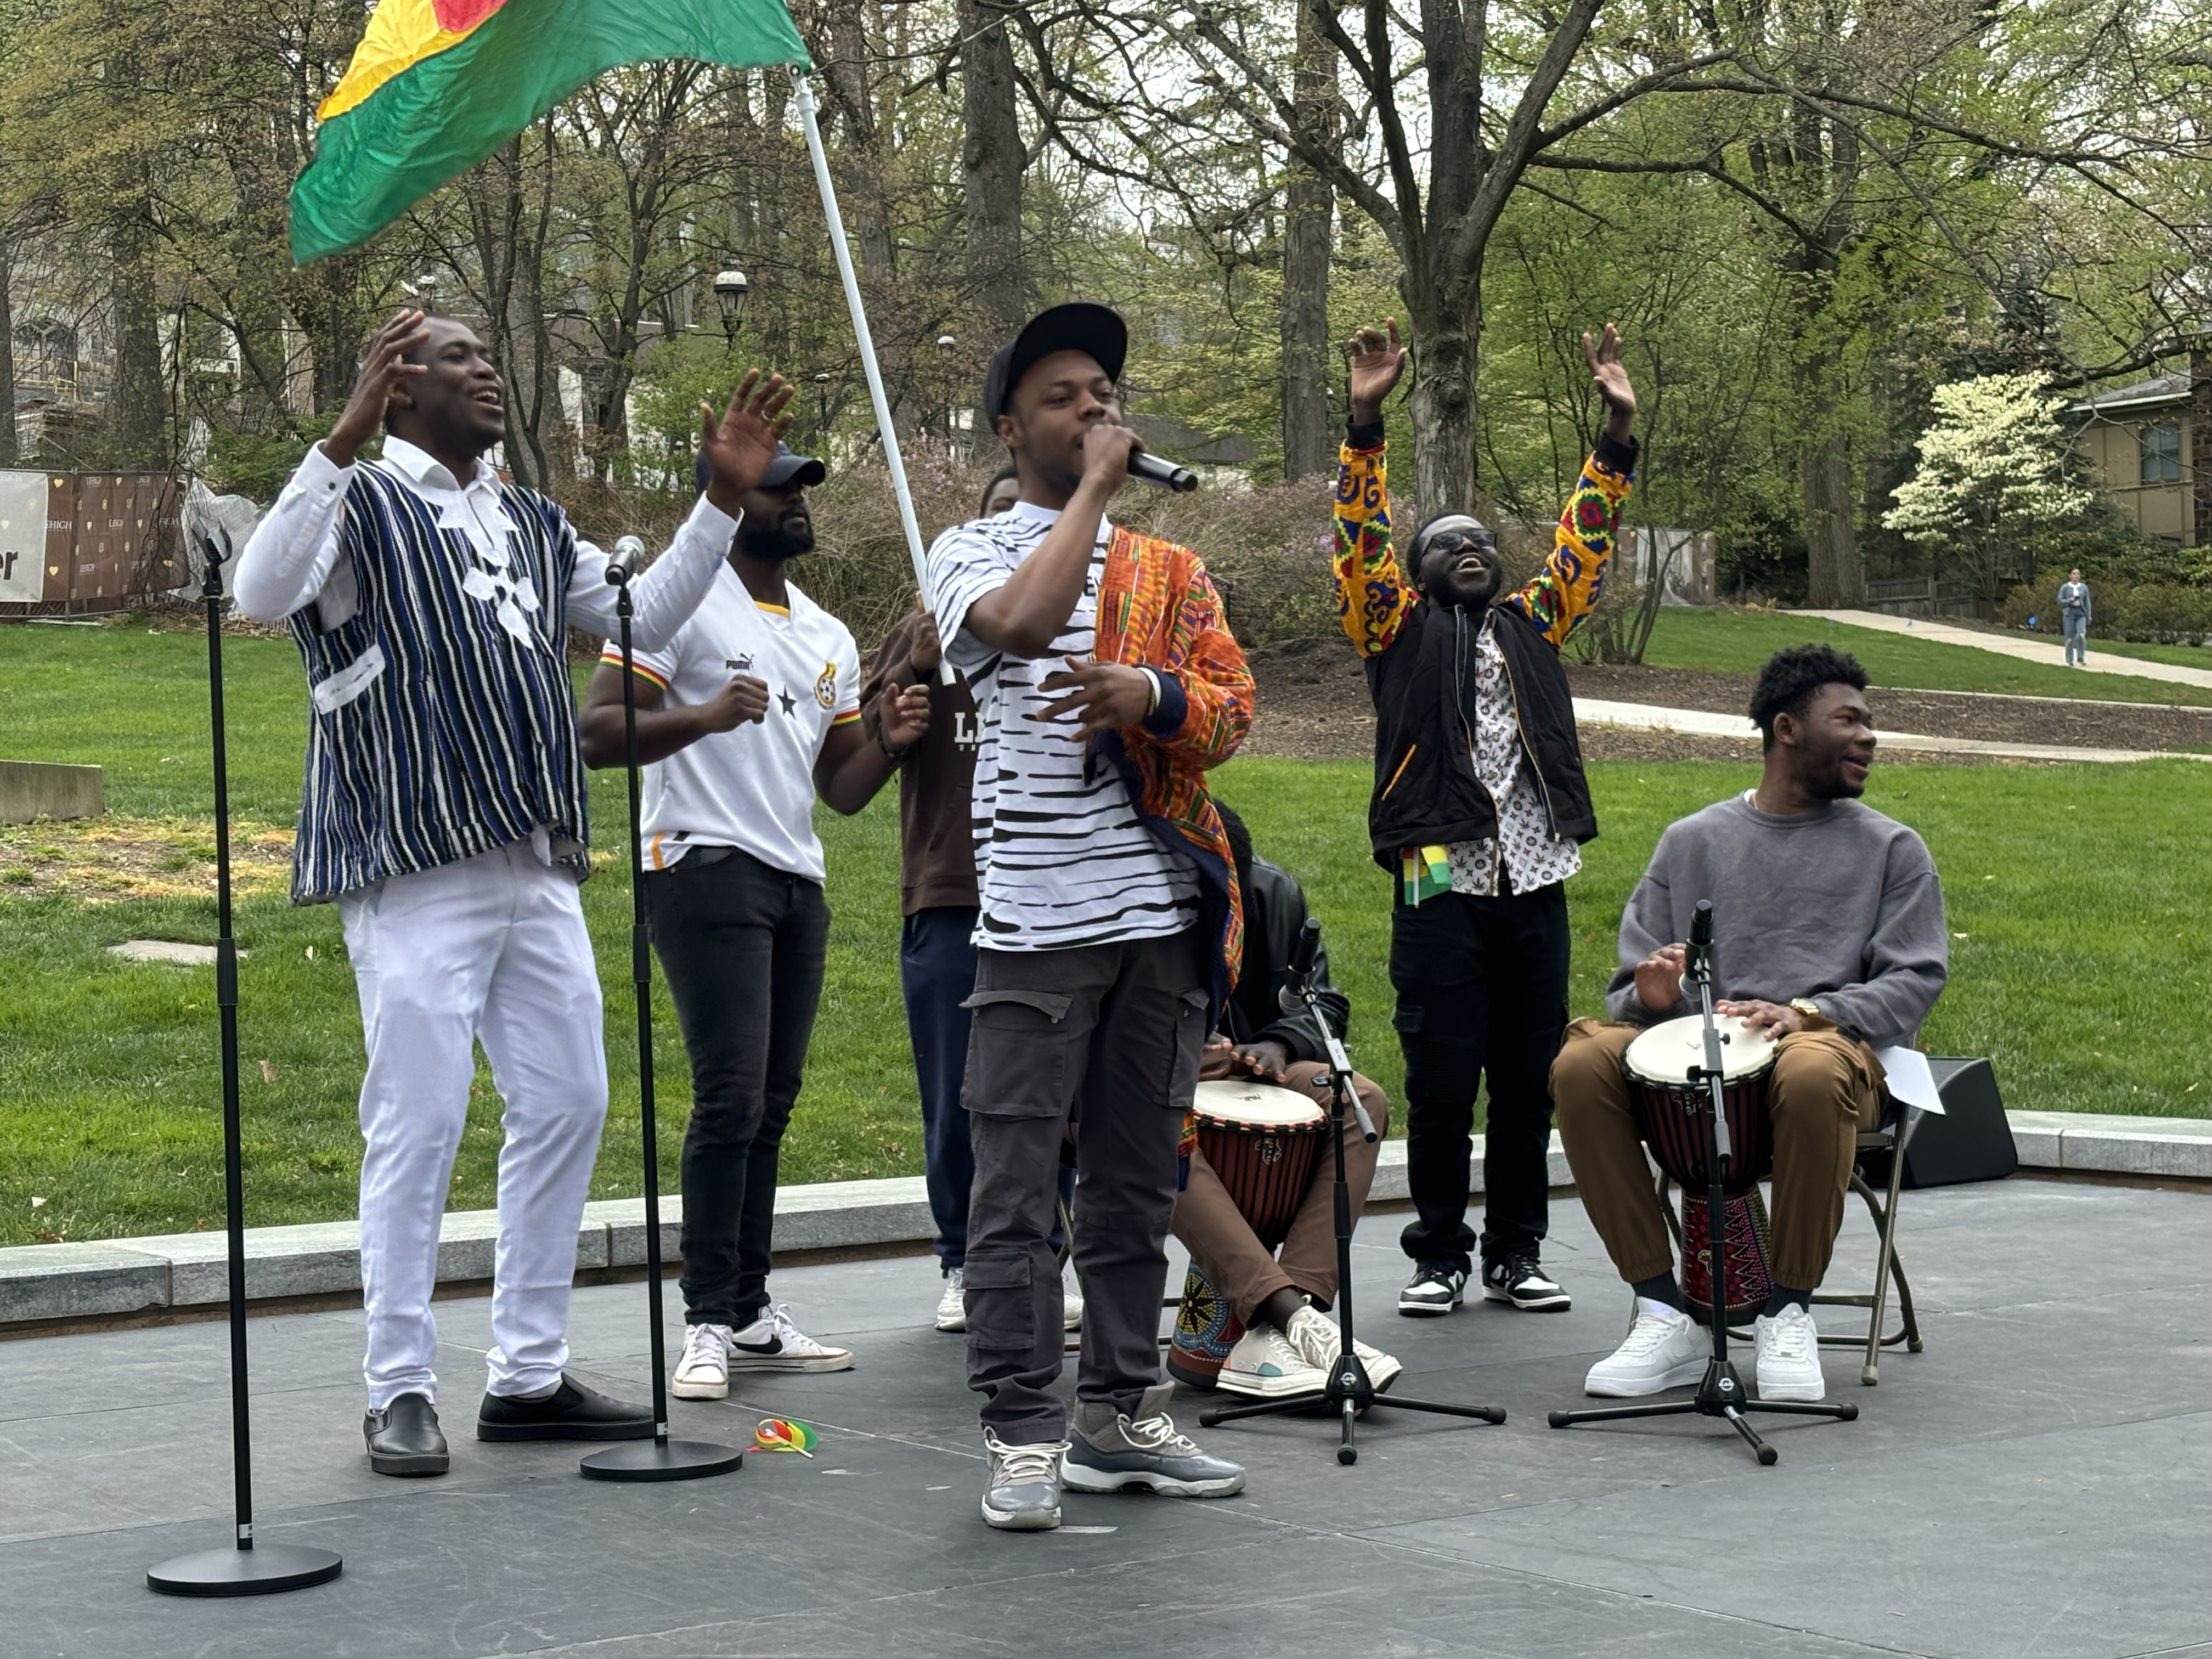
803	87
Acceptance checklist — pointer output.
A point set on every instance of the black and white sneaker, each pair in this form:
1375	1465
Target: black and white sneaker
1519	1281
1436	1288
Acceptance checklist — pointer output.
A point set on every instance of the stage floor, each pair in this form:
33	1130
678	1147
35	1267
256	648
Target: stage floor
2038	1482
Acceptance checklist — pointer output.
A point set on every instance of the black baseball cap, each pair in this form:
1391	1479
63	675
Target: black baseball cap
788	465
1081	326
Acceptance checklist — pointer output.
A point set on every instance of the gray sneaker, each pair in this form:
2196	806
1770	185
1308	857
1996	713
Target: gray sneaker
1111	1452
1023	1492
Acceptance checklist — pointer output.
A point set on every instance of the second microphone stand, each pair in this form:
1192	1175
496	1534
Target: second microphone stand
1721	1392
1350	1390
659	1458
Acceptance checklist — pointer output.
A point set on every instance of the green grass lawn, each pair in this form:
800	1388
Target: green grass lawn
1739	642
2082	968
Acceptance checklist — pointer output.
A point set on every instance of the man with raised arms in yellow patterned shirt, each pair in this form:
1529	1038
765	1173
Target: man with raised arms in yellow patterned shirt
1480	810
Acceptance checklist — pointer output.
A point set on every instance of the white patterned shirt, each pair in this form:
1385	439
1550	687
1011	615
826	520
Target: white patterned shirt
1532	855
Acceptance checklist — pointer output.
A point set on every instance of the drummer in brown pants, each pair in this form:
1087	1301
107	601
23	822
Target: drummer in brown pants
1288	1343
1828	921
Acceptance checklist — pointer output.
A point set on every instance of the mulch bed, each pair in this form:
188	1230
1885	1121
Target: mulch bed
1313	705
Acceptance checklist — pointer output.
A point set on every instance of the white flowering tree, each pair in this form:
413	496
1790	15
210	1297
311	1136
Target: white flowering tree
1992	477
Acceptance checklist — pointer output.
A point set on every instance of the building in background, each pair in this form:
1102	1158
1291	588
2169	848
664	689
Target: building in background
2148	447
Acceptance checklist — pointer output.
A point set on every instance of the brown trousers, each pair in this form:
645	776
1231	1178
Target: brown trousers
1826	1090
1223	1243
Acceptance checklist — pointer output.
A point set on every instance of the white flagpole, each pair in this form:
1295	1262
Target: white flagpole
802	86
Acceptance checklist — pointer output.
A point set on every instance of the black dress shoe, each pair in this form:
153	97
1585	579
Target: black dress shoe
572	1411
404	1439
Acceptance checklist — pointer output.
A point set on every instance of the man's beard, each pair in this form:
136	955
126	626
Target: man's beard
1836	786
775	543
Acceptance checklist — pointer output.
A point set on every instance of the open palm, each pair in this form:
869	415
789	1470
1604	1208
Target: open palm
1609	374
739	446
1377	360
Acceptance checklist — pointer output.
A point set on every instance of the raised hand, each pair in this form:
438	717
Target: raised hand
739	446
384	370
1376	363
1610	376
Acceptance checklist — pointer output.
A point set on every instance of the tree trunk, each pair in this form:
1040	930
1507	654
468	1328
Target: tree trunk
863	199
994	158
137	407
1308	220
1447	320
7	358
1836	576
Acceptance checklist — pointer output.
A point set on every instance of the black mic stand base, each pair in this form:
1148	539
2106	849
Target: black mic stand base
1349	1396
662	1459
1721	1394
260	1570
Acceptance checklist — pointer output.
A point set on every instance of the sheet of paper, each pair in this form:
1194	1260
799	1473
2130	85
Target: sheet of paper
1910	1079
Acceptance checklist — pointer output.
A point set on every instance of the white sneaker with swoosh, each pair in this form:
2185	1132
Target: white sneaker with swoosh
773	1343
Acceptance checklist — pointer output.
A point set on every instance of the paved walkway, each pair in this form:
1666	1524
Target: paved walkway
2023	648
2039	1481
1704	722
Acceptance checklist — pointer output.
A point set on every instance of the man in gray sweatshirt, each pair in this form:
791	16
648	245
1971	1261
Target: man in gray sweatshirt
1828	931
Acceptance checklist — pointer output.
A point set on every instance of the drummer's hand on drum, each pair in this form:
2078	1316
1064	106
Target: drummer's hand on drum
1266	1059
1774	1020
1216	1060
1659	978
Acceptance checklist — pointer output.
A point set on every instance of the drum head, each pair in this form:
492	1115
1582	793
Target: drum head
1246	1102
1666	1052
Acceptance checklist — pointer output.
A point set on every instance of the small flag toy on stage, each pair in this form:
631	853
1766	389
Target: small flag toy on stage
777	1434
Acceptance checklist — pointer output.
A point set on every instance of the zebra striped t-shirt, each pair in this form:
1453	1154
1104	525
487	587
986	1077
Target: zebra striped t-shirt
1062	858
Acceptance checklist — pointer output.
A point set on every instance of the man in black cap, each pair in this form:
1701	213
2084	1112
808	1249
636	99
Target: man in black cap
1106	683
751	713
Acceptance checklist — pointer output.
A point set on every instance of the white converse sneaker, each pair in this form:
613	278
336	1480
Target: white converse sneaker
773	1343
1666	1349
1789	1352
1266	1364
1070	1317
952	1306
703	1372
1315	1335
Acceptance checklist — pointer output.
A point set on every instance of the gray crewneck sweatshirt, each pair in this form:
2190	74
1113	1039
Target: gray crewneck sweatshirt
1842	905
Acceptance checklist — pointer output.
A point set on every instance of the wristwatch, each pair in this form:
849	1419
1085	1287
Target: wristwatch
1809	1008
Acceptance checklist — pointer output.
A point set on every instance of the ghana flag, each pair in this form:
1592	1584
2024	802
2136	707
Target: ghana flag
438	85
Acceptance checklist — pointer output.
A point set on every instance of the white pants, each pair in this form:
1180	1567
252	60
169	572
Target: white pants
493	948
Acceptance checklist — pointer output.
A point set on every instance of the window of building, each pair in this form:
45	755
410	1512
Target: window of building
2158	450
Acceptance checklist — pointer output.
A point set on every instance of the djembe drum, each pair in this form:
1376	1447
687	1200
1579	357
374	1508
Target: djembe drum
1262	1143
1671	1110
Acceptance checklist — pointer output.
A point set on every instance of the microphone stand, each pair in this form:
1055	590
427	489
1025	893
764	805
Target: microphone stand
241	1570
659	1458
1350	1392
1721	1392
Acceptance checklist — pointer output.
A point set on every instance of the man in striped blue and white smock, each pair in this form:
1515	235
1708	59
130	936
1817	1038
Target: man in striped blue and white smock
445	811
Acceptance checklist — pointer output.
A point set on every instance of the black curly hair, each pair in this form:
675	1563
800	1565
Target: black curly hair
1791	677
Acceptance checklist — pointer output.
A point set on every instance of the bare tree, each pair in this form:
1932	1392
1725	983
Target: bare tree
1309	219
994	159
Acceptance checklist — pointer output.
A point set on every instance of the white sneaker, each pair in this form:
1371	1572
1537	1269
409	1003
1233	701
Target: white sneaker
1666	1349
1315	1335
1266	1363
773	1343
1071	1318
1789	1350
703	1372
952	1306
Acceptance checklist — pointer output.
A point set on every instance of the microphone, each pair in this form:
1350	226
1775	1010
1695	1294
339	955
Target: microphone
1166	474
1304	949
621	563
1700	948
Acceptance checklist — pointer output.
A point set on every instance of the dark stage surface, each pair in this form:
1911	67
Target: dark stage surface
2038	1482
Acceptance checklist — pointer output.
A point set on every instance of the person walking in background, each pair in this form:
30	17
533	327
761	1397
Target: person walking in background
2074	611
937	897
747	718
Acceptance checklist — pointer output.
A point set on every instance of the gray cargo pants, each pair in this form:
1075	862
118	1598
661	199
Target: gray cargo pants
1118	1028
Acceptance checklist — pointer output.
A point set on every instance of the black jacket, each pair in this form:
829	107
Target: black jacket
1274	915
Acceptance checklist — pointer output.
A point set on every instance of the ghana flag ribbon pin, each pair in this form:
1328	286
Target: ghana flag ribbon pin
435	86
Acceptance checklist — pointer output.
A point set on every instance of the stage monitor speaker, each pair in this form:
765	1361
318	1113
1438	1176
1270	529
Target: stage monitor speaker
1971	1140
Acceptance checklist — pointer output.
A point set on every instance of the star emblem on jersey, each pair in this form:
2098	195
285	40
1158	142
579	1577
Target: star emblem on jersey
788	702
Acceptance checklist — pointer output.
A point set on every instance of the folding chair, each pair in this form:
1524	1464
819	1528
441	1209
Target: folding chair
1892	1137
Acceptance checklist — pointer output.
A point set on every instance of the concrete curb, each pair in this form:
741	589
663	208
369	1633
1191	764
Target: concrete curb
43	1283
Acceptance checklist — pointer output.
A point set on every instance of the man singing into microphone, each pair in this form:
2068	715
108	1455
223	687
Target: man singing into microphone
1480	808
1106	683
747	716
1829	936
445	810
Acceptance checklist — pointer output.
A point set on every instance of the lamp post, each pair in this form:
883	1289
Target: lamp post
822	403
731	289
947	345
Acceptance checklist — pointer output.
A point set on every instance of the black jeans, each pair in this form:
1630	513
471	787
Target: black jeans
742	945
1482	987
